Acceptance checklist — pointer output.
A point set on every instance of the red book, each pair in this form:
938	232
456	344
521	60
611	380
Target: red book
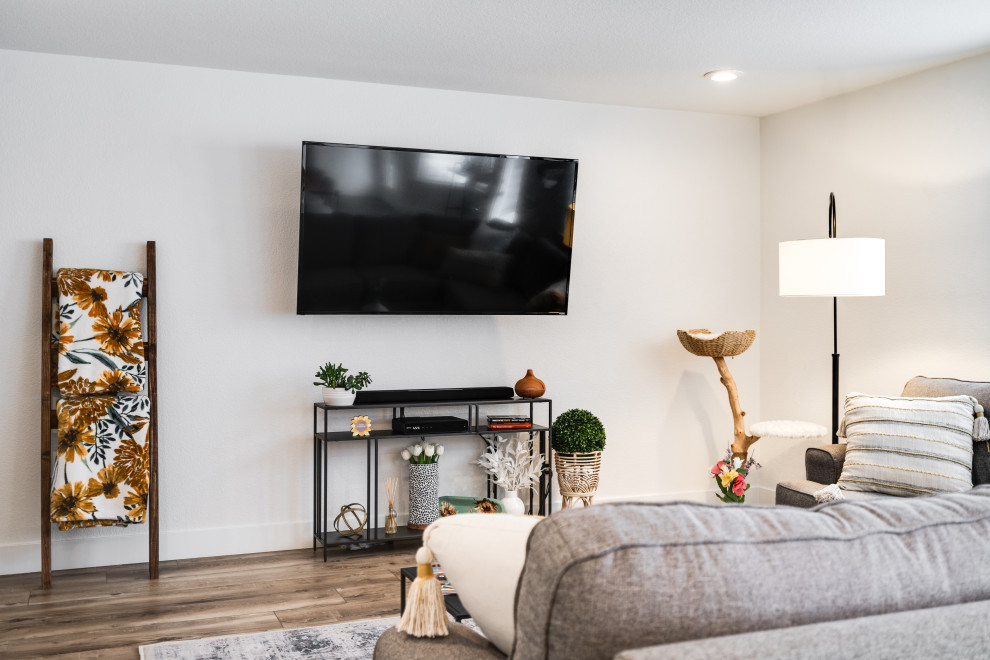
510	426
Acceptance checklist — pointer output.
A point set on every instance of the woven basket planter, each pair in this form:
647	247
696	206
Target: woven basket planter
577	475
726	344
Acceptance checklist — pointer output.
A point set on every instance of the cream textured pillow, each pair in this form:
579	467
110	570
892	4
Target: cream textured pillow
483	556
908	445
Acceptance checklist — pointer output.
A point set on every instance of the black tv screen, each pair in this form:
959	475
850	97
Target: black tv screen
408	231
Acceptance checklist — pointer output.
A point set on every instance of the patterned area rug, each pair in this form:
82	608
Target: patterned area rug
354	640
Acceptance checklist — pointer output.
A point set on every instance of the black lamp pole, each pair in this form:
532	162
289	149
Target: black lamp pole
835	334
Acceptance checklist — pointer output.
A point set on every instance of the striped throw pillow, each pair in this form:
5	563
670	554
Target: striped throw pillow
908	445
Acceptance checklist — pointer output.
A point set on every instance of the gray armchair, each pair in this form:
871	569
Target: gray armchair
823	465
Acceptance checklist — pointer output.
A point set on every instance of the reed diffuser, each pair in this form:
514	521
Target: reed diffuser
390	525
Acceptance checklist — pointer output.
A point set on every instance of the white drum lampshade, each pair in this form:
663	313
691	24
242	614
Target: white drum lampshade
832	267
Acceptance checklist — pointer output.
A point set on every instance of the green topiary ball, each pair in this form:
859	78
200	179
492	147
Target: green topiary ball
578	431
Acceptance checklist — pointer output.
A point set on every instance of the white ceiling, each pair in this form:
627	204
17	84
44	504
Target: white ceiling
648	53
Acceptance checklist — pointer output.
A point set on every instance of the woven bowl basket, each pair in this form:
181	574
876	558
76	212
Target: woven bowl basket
727	344
577	474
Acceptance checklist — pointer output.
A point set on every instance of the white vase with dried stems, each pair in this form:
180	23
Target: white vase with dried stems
515	467
390	524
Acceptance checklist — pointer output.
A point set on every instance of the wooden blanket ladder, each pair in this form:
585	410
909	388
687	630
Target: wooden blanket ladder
49	420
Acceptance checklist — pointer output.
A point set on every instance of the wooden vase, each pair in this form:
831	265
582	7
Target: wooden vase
529	386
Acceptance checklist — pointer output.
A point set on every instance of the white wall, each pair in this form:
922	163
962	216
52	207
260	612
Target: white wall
909	162
104	155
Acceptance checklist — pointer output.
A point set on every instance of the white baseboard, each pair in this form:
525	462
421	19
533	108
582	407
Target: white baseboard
755	495
106	548
683	496
764	495
109	549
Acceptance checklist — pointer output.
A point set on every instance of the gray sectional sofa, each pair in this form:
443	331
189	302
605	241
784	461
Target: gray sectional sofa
880	578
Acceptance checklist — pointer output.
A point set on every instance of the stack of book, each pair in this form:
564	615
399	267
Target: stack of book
446	588
510	422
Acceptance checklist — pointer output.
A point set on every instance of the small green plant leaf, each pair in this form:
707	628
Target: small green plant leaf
335	375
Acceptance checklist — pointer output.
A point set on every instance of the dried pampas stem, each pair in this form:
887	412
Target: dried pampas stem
425	614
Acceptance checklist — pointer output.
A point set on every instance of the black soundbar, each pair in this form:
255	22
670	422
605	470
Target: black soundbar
425	396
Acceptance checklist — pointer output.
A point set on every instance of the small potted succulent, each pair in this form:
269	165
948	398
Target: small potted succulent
578	439
339	388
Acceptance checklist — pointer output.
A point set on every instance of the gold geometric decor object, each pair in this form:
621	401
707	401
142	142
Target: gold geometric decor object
351	520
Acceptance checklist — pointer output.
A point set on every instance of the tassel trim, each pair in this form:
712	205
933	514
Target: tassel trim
981	428
426	614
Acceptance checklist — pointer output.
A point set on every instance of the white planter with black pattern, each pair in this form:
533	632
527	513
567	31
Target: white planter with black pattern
424	494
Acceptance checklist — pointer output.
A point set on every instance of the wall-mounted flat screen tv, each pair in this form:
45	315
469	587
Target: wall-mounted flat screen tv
409	231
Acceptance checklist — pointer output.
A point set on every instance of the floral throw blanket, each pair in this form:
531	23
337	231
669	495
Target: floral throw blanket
101	473
98	331
100	476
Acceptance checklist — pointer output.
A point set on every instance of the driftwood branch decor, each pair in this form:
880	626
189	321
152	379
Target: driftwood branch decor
718	347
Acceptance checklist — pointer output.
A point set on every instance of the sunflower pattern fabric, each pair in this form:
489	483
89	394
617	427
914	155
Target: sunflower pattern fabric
101	473
98	332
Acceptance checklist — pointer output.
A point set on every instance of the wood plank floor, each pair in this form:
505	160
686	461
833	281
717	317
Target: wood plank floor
109	612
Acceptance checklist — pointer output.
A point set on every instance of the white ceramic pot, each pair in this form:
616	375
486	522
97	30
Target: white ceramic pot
513	503
337	396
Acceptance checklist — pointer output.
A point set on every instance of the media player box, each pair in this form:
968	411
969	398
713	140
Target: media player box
415	425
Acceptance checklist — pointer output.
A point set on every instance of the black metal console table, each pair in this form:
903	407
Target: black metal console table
324	535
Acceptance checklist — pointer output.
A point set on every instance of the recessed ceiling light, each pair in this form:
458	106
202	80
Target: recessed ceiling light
723	75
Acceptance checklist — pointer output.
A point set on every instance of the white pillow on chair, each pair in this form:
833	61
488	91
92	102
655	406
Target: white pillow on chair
483	556
908	445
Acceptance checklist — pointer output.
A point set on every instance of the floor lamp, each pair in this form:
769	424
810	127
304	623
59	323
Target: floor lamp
831	268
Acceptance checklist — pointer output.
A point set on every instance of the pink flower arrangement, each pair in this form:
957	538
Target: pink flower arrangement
730	477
